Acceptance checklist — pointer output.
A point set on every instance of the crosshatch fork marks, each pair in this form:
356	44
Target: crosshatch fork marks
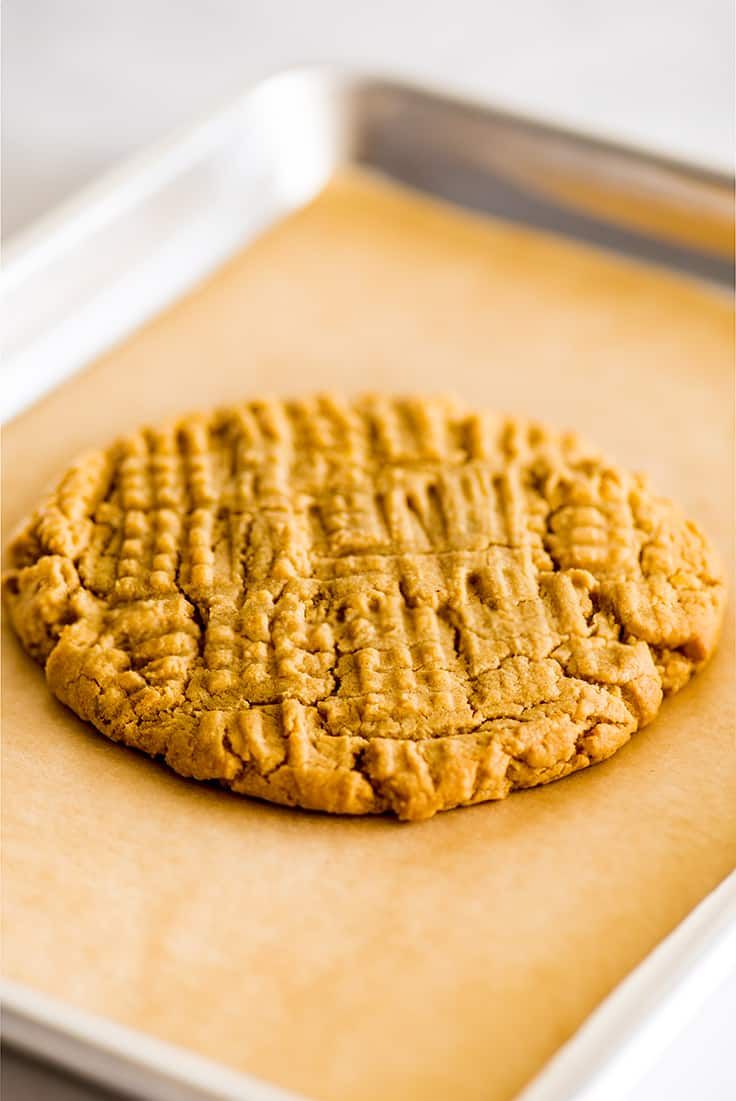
355	606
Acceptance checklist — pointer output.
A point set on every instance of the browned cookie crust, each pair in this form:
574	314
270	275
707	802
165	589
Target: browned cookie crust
359	606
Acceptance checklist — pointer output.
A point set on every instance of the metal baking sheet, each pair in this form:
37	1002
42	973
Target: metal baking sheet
126	247
86	278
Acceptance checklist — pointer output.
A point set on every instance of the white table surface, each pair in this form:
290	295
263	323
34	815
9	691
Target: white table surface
87	82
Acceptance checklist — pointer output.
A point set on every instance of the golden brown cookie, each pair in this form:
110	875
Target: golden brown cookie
383	604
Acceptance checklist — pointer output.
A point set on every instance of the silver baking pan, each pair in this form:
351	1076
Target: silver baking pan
86	276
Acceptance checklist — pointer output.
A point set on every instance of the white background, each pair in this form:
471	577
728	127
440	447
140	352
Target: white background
87	82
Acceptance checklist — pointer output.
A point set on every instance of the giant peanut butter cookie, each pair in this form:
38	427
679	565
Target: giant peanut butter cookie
363	606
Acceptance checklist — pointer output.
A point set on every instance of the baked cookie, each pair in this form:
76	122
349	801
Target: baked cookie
360	606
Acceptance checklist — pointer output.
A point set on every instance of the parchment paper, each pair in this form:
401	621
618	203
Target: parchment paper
355	959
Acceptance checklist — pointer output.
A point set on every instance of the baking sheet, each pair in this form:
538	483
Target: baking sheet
365	958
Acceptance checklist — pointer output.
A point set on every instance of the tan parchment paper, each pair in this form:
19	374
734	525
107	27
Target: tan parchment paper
350	959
